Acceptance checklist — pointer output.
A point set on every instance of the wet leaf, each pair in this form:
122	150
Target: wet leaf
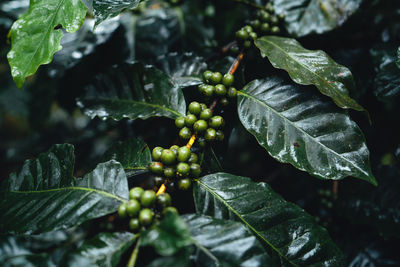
105	9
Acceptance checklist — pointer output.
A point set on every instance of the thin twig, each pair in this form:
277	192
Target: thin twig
134	255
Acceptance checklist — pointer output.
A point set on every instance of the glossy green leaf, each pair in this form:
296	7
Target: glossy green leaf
105	249
398	57
225	243
131	90
297	126
181	259
303	17
105	9
34	38
168	236
44	196
310	67
133	154
280	225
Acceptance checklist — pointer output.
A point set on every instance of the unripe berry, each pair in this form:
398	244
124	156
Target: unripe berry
247	44
228	79
183	169
185	133
220	135
194	108
216	122
184	184
193	158
210	134
242	35
202	87
167	157
190	119
169	172
201	141
156	167
200	126
224	101
203	106
265	16
163	200
274	20
275	30
170	209
122	210
253	35
232	92
208	90
207	75
248	28
174	149
220	89
133	207
158	180
216	77
148	198
156	153
136	193
184	153
256	23
134	224
180	122
195	170
265	27
206	114
146	217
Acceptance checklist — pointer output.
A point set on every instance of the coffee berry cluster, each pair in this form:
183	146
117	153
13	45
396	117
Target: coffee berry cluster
176	164
144	207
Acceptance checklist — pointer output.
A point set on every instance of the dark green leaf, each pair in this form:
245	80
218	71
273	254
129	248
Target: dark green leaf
181	259
310	67
131	90
280	225
167	236
105	249
104	9
297	126
34	38
133	154
305	17
398	57
44	196
225	243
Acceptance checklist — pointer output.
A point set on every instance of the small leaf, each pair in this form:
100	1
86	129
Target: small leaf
131	90
44	196
105	9
133	154
225	243
105	249
34	38
168	236
282	226
310	67
303	17
299	127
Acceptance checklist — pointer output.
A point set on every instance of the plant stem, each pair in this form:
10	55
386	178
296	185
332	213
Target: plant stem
134	255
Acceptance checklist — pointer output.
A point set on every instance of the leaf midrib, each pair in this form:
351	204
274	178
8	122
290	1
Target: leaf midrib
301	130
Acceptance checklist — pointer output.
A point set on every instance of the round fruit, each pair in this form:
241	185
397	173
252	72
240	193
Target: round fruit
216	77
281	16
163	200
208	90
210	134
193	158
265	27
224	101
184	184
185	133
248	28
195	170
133	207
148	198
190	119
169	172
167	156
235	49
180	122
158	180
274	20
203	106
183	169
202	87
156	153
206	114
134	224
146	217
228	79
184	153
242	35
170	209
216	122
122	210
232	92
275	30
256	23
201	141
200	126
174	149
253	35
220	89
156	167
265	16
246	44
207	75
194	108
136	193
220	135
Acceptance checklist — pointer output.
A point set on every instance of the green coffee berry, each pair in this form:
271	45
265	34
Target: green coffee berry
216	122
174	149
210	134
248	28
247	44
232	92
185	133
220	89
265	16
220	135
170	209
194	108
206	114
208	90
133	207
200	126
136	193
242	35
265	27
156	167
148	198
195	170
275	30
228	79
134	224
184	153
281	16
274	20
158	180
235	49
122	210
256	23
201	141
253	35
146	217
163	200
207	75
202	88
168	157
180	122
224	101
184	184
183	169
193	158
203	106
190	119
169	172
216	77
156	153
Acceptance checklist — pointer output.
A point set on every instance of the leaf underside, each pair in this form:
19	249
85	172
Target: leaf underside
105	9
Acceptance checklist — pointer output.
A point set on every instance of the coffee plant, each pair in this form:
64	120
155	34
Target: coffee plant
199	133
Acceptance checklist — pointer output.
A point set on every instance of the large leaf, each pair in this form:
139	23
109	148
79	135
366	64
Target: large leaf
131	90
303	17
225	243
105	249
34	37
297	126
398	57
310	67
104	9
44	196
282	226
